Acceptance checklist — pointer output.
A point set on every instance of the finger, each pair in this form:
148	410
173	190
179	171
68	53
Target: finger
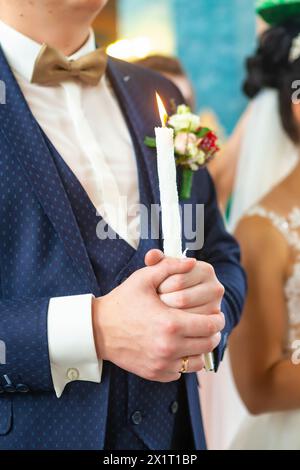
194	364
191	297
212	308
197	346
153	257
167	377
181	281
168	266
200	326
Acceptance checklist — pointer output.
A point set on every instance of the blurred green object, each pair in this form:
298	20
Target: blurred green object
276	12
228	209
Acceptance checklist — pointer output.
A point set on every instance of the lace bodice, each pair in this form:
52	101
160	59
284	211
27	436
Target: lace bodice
289	227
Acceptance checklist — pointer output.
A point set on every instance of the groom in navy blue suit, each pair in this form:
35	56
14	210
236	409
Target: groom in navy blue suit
96	342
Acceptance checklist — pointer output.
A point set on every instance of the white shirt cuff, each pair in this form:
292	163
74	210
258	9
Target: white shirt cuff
71	341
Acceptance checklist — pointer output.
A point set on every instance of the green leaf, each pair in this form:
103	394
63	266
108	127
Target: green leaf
186	184
150	142
203	132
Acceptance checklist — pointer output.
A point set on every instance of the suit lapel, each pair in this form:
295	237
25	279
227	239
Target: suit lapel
27	145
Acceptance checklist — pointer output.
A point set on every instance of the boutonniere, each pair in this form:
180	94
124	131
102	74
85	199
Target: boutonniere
194	145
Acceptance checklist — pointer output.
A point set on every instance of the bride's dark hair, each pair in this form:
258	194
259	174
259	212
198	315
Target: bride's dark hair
269	67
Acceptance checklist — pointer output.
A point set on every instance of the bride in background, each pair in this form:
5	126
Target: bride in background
265	346
258	141
258	156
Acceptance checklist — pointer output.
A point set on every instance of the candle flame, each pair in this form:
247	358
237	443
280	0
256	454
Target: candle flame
162	111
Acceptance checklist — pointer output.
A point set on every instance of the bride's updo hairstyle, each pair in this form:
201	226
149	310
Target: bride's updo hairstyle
272	67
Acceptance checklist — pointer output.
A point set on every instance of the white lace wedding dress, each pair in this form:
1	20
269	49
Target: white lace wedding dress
280	430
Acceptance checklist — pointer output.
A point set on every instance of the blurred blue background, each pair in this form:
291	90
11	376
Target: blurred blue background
211	37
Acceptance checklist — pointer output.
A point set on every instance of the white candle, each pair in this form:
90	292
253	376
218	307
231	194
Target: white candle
169	200
170	212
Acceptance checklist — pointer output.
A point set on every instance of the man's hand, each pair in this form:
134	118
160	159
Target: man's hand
197	290
135	330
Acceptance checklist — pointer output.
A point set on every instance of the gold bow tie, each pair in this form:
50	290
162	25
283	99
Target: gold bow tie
52	67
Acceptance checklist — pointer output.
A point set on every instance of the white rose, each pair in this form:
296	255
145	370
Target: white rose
185	122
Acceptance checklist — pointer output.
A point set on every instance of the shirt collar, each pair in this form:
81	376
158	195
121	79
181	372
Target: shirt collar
21	52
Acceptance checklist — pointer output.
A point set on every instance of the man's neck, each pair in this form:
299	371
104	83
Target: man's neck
55	28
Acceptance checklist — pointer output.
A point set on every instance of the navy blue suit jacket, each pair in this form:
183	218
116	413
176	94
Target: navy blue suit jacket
42	255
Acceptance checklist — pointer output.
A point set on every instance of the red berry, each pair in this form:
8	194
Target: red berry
209	142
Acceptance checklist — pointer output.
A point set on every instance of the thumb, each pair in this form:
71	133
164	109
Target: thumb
153	257
167	267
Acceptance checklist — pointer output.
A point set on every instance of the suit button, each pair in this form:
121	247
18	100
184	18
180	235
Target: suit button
22	388
174	407
73	374
9	386
136	417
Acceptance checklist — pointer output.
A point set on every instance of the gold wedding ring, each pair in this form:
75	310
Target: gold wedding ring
185	365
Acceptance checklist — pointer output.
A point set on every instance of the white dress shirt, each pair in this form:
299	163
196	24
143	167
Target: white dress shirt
86	126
